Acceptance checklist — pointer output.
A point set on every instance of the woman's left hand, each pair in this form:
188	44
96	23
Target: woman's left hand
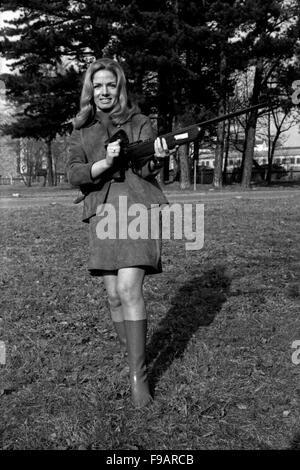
161	148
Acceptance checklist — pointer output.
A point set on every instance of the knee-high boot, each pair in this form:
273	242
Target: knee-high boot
120	330
136	332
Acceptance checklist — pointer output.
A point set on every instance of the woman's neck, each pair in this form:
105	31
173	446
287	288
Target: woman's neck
103	115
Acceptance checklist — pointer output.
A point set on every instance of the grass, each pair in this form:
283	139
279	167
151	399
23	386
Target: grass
222	321
64	189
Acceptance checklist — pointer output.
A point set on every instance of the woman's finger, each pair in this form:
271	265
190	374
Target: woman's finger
116	143
159	146
165	145
114	148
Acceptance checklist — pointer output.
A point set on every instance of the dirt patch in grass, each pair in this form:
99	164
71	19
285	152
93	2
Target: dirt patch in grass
222	322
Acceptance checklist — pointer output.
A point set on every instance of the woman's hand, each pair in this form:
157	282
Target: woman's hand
161	148
113	151
161	151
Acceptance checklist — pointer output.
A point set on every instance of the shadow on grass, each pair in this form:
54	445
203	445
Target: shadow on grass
195	304
295	443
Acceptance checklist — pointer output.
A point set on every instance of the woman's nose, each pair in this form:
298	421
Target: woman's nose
104	90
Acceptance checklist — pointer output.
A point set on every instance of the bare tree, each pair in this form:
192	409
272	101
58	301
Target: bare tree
273	126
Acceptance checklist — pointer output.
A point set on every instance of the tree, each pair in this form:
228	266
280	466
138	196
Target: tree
9	149
179	58
167	73
271	34
41	41
31	153
275	124
45	103
224	18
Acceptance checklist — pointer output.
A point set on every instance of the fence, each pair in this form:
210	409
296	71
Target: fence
206	176
9	181
5	180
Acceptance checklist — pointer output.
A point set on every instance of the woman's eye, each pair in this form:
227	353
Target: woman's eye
110	85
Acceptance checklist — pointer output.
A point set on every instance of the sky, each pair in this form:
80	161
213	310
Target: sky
293	137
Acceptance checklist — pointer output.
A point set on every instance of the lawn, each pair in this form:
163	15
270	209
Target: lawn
222	322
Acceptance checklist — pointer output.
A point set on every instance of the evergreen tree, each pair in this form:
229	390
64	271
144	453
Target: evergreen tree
42	41
179	58
163	44
45	107
224	18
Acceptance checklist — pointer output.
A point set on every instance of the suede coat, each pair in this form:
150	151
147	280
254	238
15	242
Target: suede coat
88	146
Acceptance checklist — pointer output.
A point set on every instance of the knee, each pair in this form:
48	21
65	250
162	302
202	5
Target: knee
114	300
128	294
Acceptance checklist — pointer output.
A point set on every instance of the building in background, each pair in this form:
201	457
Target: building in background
287	158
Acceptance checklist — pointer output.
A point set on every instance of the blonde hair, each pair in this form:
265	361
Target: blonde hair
120	112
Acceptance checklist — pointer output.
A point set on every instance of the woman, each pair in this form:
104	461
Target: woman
94	164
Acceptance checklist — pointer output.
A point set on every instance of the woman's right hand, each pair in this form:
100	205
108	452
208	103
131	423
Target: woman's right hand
113	151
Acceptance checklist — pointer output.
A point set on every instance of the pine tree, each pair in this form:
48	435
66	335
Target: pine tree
163	44
179	58
42	41
46	105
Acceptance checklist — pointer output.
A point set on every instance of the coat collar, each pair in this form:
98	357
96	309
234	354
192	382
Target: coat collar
105	119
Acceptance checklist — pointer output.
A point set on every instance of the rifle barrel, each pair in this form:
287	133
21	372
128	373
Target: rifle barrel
221	118
139	152
224	117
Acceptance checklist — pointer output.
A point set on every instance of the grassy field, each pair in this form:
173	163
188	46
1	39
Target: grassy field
222	321
63	189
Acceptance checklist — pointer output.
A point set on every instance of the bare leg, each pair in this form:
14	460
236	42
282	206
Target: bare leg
130	291
110	281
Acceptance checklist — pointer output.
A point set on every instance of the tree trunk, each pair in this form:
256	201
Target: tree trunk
49	162
249	151
165	114
251	128
271	152
185	176
24	178
269	169
18	162
217	182
195	163
54	172
29	178
183	160
225	179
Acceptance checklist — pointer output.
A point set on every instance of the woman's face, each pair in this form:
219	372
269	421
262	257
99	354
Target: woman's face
105	90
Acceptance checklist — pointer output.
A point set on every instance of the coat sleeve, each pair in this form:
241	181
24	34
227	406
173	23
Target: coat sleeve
79	166
147	132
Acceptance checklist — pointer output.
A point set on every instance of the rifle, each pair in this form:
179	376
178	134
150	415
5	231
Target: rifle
136	154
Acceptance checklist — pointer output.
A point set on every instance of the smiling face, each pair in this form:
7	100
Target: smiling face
105	90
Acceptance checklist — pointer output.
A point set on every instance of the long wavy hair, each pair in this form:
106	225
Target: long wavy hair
121	110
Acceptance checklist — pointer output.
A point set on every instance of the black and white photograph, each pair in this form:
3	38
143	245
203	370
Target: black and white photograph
150	220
